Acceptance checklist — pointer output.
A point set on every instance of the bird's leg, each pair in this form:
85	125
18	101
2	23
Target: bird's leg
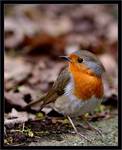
81	135
93	128
90	127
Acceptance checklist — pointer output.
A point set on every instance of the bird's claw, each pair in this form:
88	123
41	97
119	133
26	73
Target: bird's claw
83	136
90	127
99	131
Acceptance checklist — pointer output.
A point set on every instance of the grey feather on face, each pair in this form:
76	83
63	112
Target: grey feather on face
96	68
89	59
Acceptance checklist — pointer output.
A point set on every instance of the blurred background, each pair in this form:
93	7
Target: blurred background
35	35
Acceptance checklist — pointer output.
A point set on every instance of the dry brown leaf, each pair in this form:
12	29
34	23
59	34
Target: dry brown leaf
16	70
110	77
42	77
15	117
13	34
15	99
44	43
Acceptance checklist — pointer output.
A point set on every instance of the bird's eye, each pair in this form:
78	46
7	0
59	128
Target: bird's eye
80	60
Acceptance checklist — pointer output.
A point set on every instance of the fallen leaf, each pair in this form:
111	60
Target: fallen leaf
14	99
15	117
13	35
16	70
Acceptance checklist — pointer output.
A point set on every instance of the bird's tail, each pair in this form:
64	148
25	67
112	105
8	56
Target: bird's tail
42	101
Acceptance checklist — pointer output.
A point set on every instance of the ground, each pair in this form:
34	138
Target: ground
110	136
46	133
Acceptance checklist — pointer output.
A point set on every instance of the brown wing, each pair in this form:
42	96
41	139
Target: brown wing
56	90
58	87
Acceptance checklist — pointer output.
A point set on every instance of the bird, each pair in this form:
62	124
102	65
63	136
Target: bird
78	88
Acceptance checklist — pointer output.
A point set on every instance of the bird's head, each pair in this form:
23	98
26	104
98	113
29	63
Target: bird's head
84	61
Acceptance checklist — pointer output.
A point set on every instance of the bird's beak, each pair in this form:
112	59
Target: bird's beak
66	58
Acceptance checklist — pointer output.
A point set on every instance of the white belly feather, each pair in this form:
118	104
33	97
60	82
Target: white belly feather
68	104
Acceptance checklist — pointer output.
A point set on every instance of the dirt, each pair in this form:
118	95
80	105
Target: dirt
60	133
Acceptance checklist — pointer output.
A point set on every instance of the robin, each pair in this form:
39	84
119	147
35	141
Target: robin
78	88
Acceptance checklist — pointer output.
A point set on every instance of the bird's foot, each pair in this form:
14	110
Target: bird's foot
76	131
84	137
90	127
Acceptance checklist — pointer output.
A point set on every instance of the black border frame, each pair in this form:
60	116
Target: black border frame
119	3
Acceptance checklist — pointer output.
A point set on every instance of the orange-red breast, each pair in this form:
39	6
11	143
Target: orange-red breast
78	88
